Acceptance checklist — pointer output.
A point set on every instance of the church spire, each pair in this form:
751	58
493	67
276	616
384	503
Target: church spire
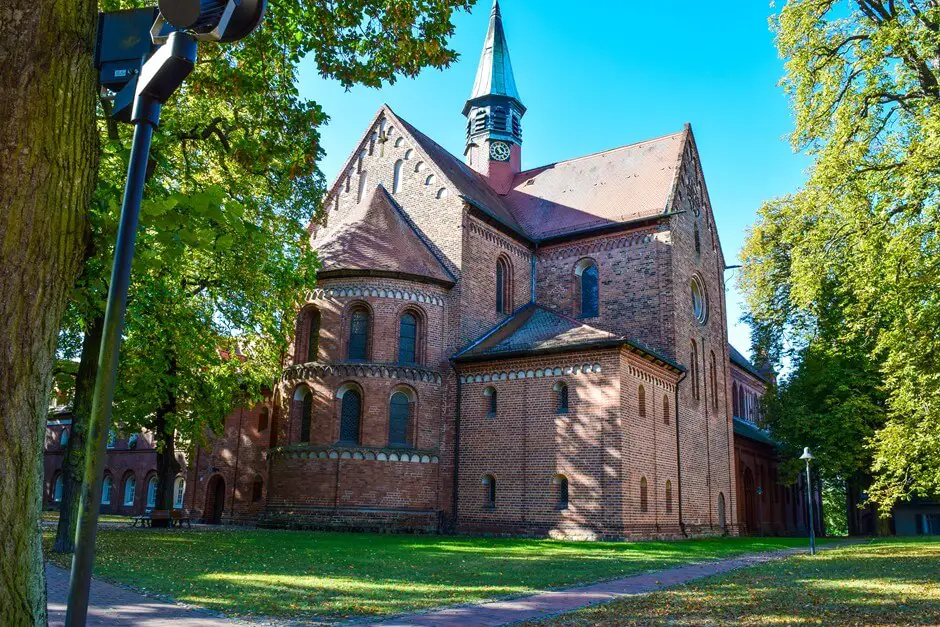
494	111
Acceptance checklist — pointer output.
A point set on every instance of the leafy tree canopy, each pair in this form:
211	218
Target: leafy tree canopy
844	273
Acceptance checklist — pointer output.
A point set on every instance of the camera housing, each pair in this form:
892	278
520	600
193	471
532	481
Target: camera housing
214	20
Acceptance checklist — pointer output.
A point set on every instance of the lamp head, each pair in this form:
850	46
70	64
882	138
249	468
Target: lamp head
806	454
214	20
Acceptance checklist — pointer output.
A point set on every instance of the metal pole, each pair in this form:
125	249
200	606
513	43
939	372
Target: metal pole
809	499
83	560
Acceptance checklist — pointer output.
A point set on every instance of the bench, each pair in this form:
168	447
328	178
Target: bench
176	518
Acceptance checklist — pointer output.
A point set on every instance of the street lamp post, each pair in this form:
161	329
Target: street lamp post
141	100
809	499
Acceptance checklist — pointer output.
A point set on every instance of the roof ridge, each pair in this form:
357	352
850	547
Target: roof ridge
601	152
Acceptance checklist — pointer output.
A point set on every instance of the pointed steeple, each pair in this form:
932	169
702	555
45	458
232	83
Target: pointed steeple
494	112
494	74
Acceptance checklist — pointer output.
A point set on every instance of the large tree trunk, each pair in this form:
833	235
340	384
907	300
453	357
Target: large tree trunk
167	466
73	465
48	152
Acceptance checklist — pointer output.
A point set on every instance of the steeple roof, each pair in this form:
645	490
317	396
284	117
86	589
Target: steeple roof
494	75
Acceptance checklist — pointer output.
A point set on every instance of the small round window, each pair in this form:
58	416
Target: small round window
699	300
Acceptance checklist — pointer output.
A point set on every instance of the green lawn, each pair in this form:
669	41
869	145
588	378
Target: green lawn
885	582
307	574
53	516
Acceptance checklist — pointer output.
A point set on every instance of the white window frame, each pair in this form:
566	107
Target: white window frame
132	484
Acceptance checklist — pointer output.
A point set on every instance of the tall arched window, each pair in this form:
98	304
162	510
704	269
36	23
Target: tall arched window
503	286
396	179
257	490
408	339
641	401
665	410
263	419
668	496
152	492
698	243
106	487
359	334
734	399
693	369
363	181
306	415
644	495
179	491
489	395
489	491
561	397
586	273
399	414
351	411
714	380
64	438
130	488
313	334
561	495
57	489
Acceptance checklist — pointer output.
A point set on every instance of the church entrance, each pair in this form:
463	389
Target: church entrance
750	502
215	500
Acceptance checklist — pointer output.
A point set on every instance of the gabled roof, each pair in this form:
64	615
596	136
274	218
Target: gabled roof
743	362
536	329
606	188
494	74
752	432
376	237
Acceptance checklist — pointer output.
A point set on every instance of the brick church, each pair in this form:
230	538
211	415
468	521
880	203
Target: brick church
492	349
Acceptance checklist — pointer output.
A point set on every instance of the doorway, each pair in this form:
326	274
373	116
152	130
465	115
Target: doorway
215	500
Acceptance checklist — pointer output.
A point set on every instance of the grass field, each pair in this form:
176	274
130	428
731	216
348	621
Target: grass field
307	574
53	516
885	582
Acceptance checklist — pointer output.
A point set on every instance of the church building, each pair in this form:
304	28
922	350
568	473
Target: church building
498	350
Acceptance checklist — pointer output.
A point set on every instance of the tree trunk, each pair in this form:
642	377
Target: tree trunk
48	153
167	466
73	465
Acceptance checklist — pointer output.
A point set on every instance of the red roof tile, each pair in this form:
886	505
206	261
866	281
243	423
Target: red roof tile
376	236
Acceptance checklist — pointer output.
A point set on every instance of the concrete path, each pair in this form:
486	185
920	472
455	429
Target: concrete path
549	603
114	606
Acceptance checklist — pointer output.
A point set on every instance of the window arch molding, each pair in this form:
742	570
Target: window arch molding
350	403
153	489
403	435
489	491
129	489
361	349
562	488
307	335
587	288
504	284
562	397
490	402
420	331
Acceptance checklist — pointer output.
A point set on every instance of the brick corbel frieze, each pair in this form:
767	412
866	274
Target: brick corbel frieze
319	370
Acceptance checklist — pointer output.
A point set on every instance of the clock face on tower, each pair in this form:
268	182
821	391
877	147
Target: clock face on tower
499	151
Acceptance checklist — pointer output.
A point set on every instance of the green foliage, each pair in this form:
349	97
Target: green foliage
222	260
835	515
843	274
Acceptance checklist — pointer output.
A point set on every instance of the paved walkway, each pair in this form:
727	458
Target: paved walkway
113	606
548	603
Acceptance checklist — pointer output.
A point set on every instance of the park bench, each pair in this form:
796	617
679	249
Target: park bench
175	517
178	518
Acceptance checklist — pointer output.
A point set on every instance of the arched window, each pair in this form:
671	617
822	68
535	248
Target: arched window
561	397
57	489
644	495
721	510
698	243
734	399
359	334
693	369
699	299
351	411
489	491
263	419
132	441
503	286
257	489
306	413
586	272
409	154
665	410
152	492
399	142
112	438
561	494
179	491
106	487
362	158
408	339
714	380
489	395
399	415
130	488
430	180
442	193
668	496
419	167
308	332
396	179
363	181
641	401
64	438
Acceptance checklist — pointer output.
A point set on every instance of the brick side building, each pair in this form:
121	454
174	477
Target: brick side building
497	350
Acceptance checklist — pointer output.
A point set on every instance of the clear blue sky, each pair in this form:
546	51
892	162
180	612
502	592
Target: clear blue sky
604	73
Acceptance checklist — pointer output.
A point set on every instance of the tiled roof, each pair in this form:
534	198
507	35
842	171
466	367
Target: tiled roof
740	360
614	186
753	432
376	236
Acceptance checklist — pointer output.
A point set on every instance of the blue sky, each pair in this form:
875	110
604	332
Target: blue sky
604	73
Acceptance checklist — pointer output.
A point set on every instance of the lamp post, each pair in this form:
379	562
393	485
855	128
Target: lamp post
179	25
809	499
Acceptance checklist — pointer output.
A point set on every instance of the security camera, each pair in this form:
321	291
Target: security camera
213	20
